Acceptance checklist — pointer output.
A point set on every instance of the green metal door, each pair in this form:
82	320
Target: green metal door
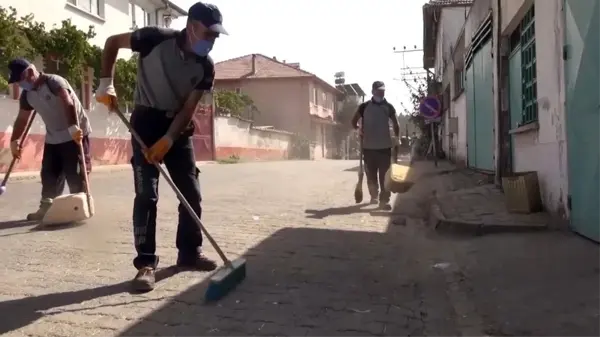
484	105
480	99
471	140
582	82
515	93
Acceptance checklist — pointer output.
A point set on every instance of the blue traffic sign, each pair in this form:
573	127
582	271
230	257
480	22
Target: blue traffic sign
430	107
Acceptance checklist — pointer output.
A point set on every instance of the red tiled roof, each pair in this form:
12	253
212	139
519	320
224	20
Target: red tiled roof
255	66
266	67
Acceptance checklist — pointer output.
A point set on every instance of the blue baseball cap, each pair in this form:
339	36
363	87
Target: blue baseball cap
16	68
209	15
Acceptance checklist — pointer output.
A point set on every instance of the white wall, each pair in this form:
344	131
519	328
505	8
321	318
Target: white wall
237	136
544	150
459	106
116	18
450	25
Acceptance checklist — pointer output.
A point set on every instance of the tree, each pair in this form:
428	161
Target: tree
65	44
418	91
13	41
231	103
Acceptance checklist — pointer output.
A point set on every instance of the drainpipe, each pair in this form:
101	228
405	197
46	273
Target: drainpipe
498	83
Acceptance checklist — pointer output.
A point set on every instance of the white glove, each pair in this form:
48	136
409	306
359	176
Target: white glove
76	133
15	149
106	87
106	93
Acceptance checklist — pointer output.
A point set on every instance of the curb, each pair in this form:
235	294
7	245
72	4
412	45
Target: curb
440	223
101	169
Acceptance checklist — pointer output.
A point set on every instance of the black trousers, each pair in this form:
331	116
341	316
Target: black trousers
377	163
60	163
151	125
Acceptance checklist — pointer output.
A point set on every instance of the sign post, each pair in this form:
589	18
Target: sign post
430	108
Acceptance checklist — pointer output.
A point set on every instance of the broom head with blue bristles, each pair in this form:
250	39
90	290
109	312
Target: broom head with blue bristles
225	280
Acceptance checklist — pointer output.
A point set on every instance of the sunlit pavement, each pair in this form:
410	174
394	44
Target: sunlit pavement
317	263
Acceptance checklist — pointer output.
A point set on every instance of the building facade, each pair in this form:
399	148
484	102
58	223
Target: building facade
286	97
528	113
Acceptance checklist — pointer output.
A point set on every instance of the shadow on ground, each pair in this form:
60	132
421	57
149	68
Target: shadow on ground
16	224
307	281
333	211
532	284
27	310
299	281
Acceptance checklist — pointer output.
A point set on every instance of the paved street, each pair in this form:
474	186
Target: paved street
321	273
317	265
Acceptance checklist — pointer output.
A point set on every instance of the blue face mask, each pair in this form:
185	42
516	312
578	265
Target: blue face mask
202	47
25	85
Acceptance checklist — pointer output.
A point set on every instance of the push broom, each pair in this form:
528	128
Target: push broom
358	190
233	272
14	160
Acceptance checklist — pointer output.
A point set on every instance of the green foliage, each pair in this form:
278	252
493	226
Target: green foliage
125	77
25	37
231	103
13	41
233	159
417	93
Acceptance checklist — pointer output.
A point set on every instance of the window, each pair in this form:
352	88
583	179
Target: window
139	17
90	6
315	96
528	68
238	91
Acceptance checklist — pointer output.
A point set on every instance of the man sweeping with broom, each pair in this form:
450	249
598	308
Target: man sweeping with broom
174	71
67	130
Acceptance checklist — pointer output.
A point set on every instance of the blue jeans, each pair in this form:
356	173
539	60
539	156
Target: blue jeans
151	125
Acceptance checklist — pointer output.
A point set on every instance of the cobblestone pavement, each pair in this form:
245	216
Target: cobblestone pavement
317	265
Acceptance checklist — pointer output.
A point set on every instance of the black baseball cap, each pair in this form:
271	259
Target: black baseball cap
209	15
378	85
16	68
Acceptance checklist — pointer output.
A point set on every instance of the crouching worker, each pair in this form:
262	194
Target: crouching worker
67	127
174	72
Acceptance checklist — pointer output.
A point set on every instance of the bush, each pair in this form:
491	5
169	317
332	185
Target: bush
25	37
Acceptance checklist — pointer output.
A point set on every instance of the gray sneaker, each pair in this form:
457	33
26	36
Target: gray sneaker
144	280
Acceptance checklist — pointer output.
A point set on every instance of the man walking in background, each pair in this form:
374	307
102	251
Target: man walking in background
377	142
